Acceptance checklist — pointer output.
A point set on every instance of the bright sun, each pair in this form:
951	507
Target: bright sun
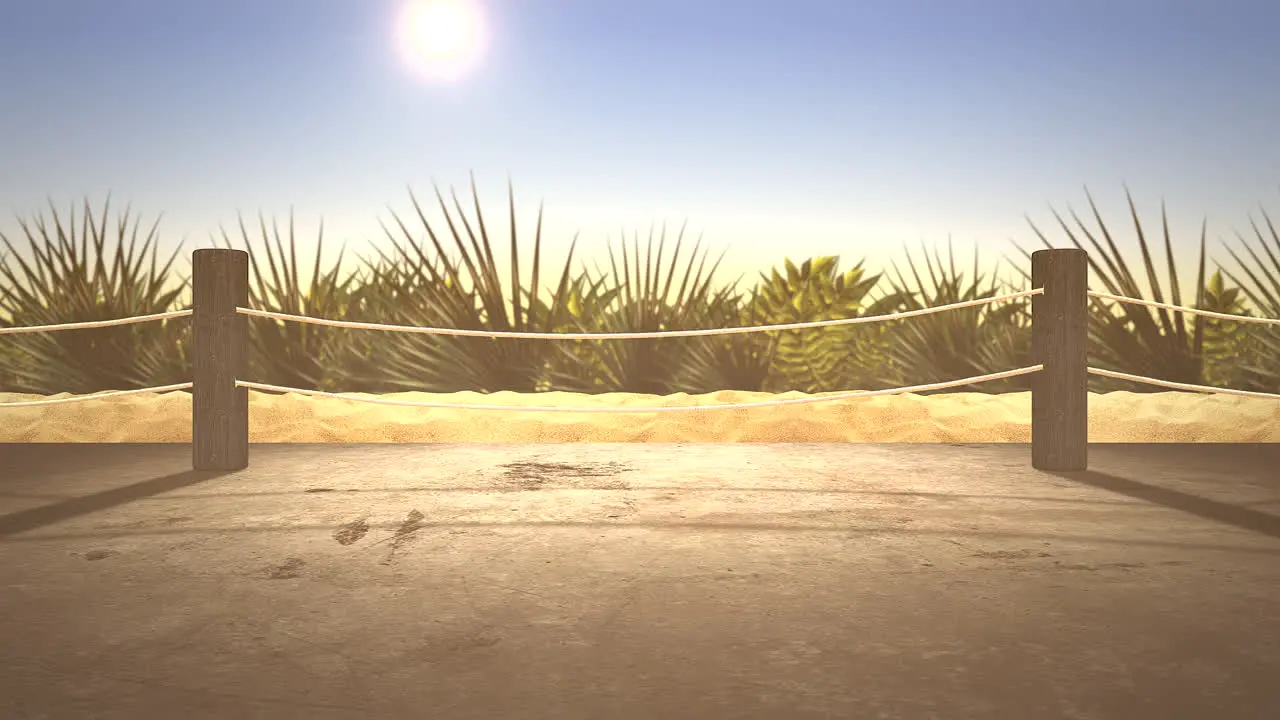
441	39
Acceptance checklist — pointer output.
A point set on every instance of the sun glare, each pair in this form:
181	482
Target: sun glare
441	39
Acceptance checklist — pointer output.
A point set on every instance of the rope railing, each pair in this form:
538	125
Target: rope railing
634	335
626	336
94	323
99	396
1180	308
799	401
679	408
220	345
1182	386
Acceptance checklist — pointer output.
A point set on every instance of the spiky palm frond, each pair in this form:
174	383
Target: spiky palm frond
420	284
962	342
740	361
643	303
1257	357
575	365
289	353
449	363
62	283
1131	338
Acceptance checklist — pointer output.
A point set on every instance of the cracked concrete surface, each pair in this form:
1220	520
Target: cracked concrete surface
640	581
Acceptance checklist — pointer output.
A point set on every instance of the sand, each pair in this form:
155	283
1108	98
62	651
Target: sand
954	417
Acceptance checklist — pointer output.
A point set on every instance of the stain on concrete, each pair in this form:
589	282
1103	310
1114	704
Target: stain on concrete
449	644
1094	567
1010	554
290	569
413	522
99	554
539	475
351	532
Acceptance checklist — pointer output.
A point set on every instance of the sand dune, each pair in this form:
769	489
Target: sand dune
955	417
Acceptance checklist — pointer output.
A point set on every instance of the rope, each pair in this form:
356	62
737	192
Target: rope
622	336
633	335
767	403
95	323
98	396
1179	308
799	401
1182	386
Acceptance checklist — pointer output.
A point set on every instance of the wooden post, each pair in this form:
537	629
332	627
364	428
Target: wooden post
219	357
1059	337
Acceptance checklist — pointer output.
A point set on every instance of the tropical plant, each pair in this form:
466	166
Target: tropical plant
740	361
64	282
641	301
1231	350
961	342
1131	338
833	357
417	287
1256	350
419	283
575	364
288	353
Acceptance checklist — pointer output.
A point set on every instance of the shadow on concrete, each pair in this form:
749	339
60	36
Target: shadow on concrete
1234	515
75	507
203	603
17	459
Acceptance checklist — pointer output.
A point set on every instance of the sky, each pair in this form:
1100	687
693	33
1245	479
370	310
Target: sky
774	129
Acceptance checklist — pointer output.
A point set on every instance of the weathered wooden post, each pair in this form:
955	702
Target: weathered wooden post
220	356
1059	341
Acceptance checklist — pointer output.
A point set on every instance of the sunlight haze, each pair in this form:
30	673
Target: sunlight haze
773	129
441	39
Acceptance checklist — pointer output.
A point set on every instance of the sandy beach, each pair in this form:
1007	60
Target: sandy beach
956	417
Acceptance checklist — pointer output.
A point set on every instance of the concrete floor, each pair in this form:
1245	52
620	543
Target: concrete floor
640	581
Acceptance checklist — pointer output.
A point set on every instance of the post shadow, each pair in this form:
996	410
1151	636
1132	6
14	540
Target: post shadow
1238	516
45	515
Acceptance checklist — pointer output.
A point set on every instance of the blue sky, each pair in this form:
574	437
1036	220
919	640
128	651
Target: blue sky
776	129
